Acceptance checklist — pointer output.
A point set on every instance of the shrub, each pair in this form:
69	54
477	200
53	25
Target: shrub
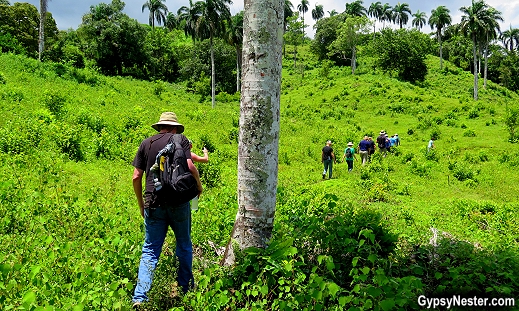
463	171
469	133
206	142
55	102
210	173
68	139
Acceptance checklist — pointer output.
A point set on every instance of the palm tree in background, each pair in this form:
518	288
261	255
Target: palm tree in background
440	18
355	8
401	14
211	24
158	11
491	32
189	16
41	36
375	10
472	25
419	20
234	37
387	14
509	36
172	21
303	8
318	12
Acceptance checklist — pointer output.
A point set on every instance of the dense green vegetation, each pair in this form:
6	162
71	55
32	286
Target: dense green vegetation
71	232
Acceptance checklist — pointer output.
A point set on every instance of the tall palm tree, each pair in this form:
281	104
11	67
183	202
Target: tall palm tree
440	18
387	14
401	13
211	20
491	32
355	8
172	21
158	11
41	37
472	25
419	20
234	36
303	8
509	36
189	15
318	12
375	10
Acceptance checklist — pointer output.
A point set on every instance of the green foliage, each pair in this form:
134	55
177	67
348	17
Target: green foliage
402	51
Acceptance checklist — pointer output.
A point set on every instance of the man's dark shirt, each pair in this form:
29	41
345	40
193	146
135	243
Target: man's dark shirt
327	153
148	150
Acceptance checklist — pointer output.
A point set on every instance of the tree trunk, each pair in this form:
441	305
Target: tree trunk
475	67
353	60
212	71
486	65
259	126
441	56
41	37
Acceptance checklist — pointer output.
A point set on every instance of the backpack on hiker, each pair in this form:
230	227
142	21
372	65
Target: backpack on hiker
349	154
173	182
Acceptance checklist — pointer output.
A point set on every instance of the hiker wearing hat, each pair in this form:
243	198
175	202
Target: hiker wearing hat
349	154
397	140
158	216
327	158
381	142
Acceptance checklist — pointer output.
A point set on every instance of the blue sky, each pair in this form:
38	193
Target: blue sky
68	13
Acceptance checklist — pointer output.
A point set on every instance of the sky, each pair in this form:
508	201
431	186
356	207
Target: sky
68	13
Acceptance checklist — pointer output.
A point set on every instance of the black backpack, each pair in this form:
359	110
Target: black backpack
174	183
348	152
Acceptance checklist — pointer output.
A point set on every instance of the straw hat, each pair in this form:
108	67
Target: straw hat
350	144
169	118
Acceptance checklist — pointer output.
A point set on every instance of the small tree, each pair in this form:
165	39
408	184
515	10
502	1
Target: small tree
512	122
404	52
294	34
349	36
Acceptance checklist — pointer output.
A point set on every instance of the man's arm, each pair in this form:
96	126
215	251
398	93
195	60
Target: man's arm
194	171
137	188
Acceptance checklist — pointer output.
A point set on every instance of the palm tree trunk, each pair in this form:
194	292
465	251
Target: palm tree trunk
212	71
486	65
41	37
353	60
475	67
259	126
441	50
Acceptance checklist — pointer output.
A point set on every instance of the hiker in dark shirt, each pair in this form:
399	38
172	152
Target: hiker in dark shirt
364	146
381	142
327	158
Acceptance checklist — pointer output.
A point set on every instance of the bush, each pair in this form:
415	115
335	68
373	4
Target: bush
55	102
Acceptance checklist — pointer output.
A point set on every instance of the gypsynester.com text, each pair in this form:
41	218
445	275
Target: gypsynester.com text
459	301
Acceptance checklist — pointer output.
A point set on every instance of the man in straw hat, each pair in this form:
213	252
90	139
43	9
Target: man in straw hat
349	154
158	218
381	142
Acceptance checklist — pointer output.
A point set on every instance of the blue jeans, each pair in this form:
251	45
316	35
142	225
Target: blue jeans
328	165
156	222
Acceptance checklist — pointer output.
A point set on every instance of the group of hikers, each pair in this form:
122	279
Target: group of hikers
365	148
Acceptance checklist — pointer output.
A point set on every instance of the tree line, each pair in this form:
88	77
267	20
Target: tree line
186	45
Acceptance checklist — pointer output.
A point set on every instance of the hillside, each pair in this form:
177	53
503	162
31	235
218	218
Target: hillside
71	232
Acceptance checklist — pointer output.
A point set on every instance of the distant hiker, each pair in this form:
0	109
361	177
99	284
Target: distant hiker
197	158
349	154
381	142
388	144
372	147
431	144
397	140
364	147
327	158
392	141
158	216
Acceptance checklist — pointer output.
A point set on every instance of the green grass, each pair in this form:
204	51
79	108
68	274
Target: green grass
71	232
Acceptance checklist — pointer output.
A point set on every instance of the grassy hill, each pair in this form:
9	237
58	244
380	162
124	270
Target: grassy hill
71	233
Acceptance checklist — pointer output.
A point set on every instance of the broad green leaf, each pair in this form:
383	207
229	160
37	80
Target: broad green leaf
29	298
387	304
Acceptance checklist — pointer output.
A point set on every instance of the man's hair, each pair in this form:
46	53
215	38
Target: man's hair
166	127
